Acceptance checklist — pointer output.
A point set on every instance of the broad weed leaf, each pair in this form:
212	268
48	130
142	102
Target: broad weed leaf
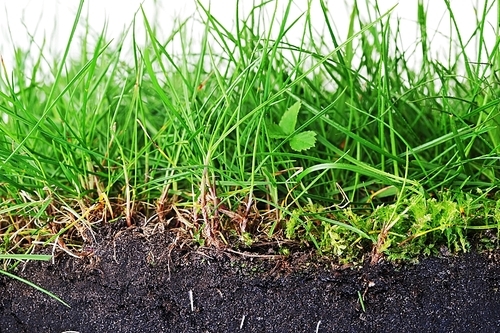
274	131
289	119
303	141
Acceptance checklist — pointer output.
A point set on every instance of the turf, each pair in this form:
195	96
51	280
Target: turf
243	137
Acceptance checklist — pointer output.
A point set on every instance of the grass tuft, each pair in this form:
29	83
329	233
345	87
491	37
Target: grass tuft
244	137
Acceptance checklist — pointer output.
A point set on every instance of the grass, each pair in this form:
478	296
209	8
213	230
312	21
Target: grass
19	257
244	137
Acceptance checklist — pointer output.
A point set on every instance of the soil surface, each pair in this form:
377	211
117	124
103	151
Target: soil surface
133	283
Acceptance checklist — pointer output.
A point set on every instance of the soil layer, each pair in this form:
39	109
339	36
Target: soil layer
132	283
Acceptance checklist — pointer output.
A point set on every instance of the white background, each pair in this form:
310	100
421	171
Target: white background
52	19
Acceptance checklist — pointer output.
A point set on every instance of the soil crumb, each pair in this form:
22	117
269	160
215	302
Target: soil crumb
131	283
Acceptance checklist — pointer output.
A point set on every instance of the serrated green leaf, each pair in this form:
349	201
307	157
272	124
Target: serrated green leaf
303	141
274	131
289	119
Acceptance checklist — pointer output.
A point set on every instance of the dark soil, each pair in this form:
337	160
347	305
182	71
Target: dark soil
130	283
